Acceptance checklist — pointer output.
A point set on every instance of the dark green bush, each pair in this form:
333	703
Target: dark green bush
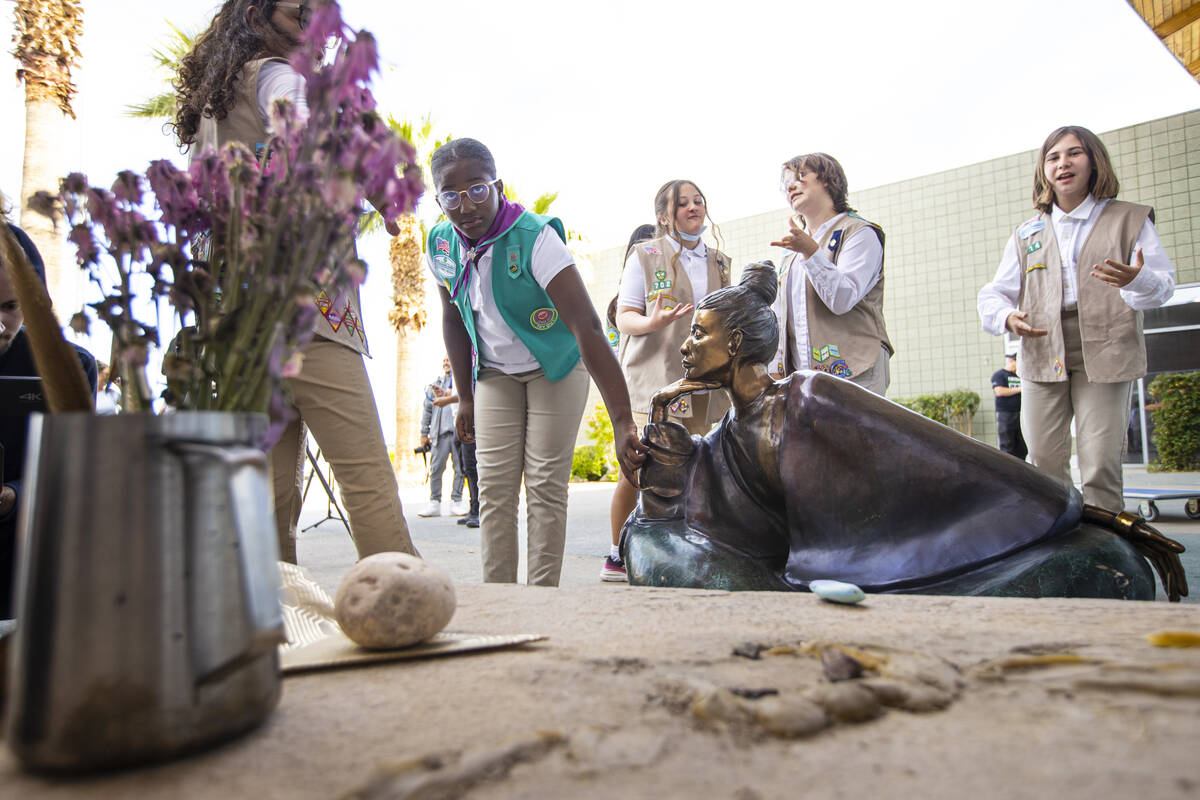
955	409
1177	422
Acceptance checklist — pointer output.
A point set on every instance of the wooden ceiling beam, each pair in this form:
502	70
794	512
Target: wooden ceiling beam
1194	68
1177	22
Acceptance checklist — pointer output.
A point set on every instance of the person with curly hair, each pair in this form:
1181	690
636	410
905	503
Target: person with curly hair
226	87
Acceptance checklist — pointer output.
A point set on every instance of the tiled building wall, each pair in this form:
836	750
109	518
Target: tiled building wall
945	234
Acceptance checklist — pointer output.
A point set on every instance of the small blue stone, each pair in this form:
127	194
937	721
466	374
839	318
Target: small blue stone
837	592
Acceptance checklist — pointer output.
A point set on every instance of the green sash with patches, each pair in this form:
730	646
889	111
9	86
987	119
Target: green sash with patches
523	304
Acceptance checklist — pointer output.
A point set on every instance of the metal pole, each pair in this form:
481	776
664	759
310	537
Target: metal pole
1142	410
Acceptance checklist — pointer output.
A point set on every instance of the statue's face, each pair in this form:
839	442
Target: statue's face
707	354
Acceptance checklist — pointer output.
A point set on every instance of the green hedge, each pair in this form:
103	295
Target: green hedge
588	463
955	409
1177	422
596	461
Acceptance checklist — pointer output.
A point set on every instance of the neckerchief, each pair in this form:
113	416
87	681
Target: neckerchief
508	213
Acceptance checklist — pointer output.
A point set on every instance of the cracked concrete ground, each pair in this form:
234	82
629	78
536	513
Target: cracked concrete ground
639	693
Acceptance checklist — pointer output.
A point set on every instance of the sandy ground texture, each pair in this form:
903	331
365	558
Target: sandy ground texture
657	693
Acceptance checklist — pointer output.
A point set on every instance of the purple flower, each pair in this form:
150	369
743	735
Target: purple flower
86	250
128	187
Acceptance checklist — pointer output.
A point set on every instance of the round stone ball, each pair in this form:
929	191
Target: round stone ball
391	600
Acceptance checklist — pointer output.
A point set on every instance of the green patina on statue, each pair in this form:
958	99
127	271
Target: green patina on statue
814	477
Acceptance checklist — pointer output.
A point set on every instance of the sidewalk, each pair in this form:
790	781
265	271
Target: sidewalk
327	552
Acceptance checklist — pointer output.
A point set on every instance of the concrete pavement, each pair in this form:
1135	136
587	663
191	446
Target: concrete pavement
327	552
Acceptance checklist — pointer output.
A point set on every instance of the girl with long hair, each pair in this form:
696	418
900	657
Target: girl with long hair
663	279
1071	285
226	87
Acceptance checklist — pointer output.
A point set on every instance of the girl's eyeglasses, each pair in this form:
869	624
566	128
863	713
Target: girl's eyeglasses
450	200
305	12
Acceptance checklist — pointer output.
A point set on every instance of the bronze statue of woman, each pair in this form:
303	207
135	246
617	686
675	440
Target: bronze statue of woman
813	478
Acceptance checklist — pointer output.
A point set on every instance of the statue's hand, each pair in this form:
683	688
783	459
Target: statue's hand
663	398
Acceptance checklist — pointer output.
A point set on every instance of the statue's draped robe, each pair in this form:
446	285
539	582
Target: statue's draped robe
819	478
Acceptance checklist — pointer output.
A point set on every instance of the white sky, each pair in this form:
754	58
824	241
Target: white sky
603	102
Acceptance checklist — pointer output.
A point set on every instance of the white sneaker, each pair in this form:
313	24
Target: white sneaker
459	509
434	509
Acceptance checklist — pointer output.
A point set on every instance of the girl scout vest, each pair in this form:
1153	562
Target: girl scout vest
653	361
340	317
524	305
1113	347
843	345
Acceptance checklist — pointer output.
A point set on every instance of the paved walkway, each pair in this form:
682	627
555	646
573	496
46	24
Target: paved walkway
326	551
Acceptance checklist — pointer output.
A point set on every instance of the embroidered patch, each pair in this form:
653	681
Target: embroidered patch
443	265
661	285
681	407
1032	267
442	245
1030	228
669	302
838	368
778	367
614	336
543	319
1058	367
1033	248
514	261
826	352
660	274
652	250
835	241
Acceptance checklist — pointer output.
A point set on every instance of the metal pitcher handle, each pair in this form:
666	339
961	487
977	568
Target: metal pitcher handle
258	554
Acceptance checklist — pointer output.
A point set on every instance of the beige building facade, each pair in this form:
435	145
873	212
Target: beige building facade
945	235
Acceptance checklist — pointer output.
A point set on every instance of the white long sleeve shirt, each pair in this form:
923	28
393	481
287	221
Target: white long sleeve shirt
1152	287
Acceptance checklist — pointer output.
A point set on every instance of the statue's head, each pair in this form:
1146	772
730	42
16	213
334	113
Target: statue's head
733	326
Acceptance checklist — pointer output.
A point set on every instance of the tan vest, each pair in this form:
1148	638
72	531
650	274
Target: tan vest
653	361
338	319
844	345
1111	331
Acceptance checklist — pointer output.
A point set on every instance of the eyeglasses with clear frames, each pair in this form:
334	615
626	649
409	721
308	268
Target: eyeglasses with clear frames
450	200
305	12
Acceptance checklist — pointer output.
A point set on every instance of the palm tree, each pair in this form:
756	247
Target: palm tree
46	38
408	314
168	56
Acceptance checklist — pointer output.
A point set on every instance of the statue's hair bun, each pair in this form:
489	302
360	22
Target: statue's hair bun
761	279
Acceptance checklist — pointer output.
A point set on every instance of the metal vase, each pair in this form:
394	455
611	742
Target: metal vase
148	589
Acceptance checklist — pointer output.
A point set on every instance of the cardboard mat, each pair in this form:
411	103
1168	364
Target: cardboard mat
316	642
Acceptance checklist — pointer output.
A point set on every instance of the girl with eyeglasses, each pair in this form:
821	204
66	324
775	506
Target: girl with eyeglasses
227	85
1072	285
830	302
662	280
517	323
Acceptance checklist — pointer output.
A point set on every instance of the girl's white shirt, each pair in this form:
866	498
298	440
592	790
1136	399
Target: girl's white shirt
277	80
632	293
1152	287
499	347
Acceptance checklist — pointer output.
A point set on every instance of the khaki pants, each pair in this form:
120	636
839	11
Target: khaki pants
1101	412
525	426
333	397
877	378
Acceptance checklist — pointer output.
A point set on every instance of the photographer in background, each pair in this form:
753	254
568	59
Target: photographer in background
437	434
